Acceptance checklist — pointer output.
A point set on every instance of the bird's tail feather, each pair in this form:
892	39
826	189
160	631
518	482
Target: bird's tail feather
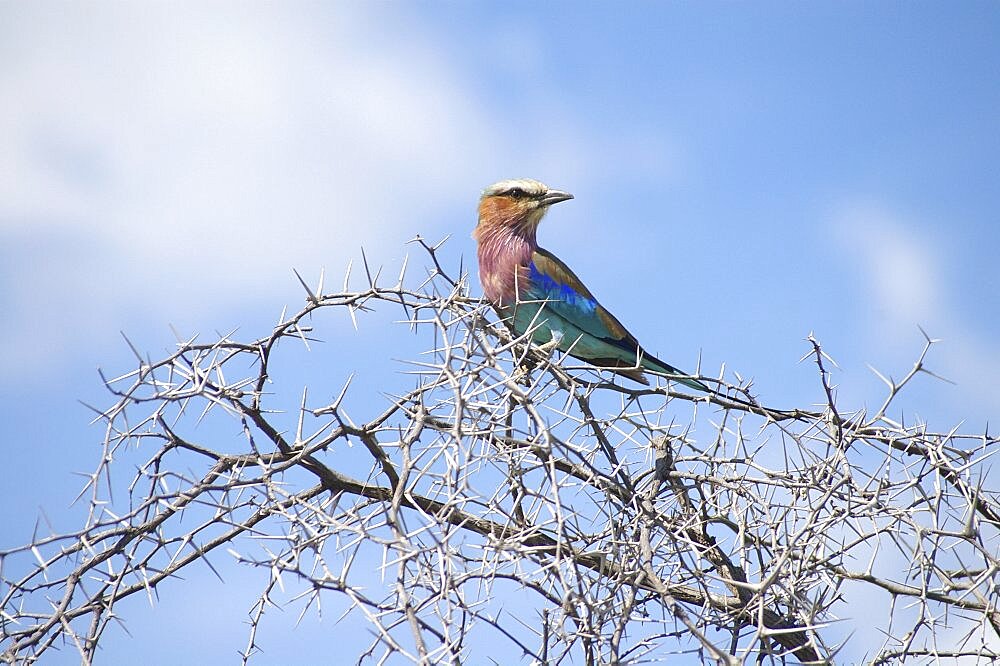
656	365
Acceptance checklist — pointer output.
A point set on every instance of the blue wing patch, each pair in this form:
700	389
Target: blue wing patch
545	287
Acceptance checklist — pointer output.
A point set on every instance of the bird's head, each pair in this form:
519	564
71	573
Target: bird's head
518	204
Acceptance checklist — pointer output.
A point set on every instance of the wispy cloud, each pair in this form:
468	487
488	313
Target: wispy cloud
904	266
222	143
160	161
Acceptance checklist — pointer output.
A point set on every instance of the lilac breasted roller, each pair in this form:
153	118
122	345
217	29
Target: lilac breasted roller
533	290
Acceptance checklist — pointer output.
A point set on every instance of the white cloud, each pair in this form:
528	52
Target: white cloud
187	135
904	266
900	265
162	159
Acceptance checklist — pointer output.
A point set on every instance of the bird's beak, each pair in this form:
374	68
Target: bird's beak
554	197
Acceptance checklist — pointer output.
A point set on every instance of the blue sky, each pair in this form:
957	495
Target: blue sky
745	174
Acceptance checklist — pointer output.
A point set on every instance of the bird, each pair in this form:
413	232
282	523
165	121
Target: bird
533	290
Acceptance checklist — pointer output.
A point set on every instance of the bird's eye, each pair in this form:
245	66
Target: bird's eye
516	193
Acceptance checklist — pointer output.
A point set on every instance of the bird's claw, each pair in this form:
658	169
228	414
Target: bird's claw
547	348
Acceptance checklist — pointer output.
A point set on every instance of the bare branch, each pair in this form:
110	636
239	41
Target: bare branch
629	523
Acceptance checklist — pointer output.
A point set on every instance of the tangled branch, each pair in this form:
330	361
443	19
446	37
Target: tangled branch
633	523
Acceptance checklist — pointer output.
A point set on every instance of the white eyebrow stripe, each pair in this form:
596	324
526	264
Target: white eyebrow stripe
530	187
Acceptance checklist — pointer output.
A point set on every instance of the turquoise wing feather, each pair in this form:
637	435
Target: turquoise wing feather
555	304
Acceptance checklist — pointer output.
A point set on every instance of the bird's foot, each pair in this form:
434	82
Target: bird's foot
549	347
